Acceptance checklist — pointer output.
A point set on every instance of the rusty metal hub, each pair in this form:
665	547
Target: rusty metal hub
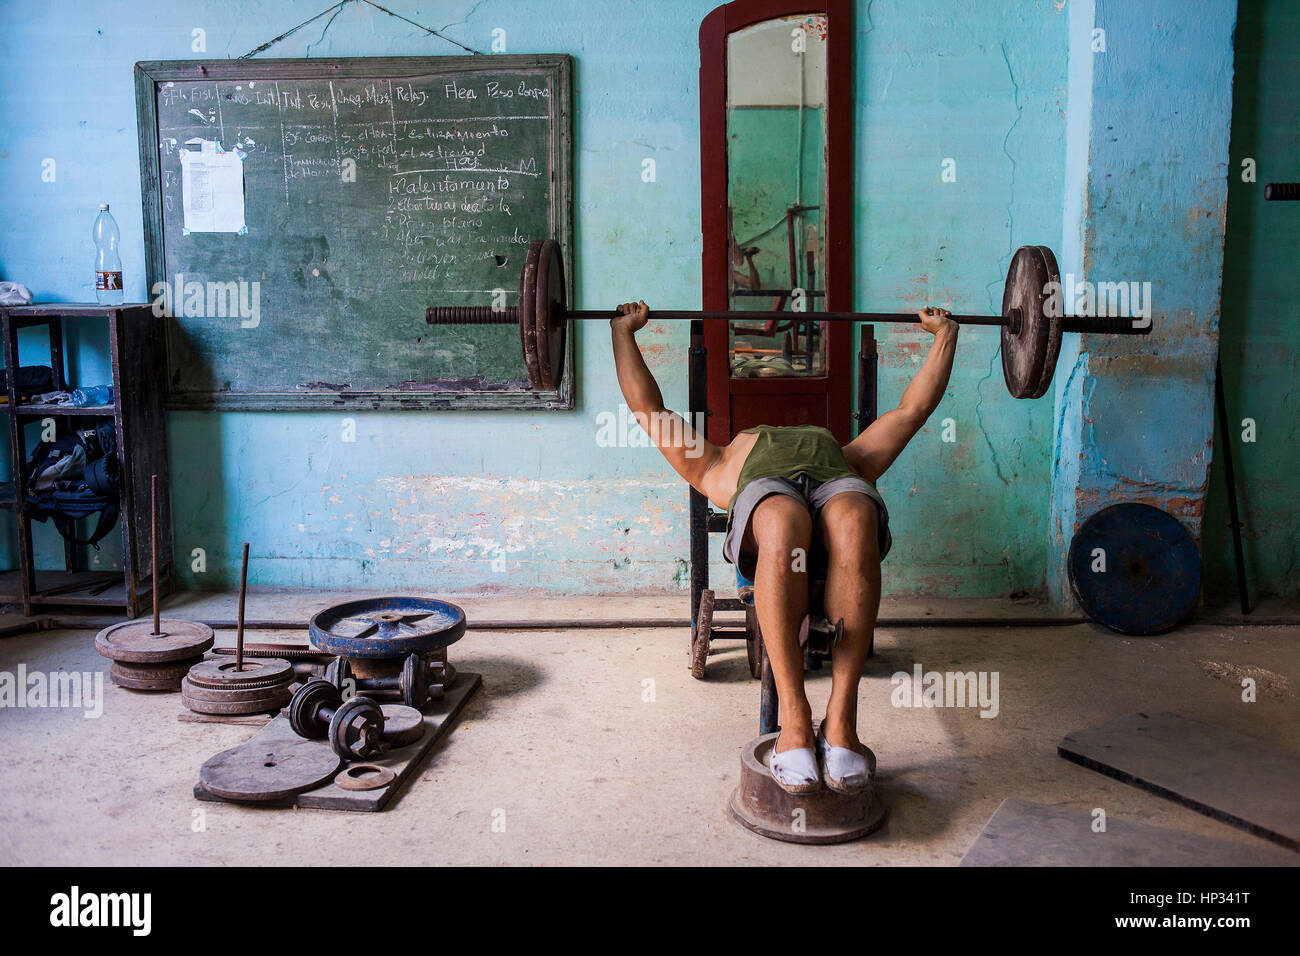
822	816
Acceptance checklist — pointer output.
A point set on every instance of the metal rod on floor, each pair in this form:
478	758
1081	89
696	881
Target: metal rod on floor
153	550
239	625
52	623
1234	520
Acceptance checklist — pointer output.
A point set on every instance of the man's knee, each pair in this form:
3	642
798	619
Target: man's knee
851	527
781	523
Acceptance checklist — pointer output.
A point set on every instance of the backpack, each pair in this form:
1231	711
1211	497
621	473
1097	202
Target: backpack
75	476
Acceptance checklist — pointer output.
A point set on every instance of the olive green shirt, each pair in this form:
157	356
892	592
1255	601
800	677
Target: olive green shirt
791	451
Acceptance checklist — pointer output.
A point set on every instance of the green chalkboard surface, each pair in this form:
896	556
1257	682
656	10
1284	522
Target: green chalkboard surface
301	214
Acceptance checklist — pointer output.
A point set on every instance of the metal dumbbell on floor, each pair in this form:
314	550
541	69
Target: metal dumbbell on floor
355	727
411	687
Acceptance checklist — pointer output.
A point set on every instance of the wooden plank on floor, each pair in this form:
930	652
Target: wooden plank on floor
439	717
1223	774
1033	834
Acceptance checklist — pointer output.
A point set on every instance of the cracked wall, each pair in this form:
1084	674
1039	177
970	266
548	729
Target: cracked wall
984	87
1134	416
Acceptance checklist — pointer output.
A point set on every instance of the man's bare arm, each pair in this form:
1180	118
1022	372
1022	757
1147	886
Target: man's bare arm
688	451
872	452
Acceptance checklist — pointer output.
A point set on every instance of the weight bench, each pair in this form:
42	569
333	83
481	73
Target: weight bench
817	636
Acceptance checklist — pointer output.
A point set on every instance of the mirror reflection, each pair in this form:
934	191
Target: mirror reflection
776	175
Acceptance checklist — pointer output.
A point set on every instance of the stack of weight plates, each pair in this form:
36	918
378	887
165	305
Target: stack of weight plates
217	687
143	660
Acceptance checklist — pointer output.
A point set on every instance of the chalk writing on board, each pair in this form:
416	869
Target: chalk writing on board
366	199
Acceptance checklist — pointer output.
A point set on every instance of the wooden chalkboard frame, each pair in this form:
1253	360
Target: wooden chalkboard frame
150	74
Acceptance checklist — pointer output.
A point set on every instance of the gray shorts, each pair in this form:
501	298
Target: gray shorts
814	494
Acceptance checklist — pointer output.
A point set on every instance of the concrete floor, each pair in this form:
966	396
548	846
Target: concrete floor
585	769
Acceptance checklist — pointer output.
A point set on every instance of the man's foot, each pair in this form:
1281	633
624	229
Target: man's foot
794	769
844	769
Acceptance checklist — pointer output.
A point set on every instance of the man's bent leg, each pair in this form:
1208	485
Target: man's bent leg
849	526
782	530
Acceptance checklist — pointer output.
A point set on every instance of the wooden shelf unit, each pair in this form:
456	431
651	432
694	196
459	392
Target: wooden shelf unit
136	344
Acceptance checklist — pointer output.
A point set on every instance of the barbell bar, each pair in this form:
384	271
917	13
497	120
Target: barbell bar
1031	332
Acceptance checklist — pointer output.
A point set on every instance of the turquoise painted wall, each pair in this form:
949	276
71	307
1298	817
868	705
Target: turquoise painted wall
983	85
1260	328
1151	111
468	501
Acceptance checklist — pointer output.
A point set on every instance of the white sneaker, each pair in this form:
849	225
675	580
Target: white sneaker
844	770
795	771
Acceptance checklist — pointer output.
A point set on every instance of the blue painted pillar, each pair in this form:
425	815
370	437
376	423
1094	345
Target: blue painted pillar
1145	202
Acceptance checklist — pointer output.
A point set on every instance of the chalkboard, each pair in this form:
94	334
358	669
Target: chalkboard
301	214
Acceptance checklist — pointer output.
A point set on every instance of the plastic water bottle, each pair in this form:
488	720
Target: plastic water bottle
95	396
108	264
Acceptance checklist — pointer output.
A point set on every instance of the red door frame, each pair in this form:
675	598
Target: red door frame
838	216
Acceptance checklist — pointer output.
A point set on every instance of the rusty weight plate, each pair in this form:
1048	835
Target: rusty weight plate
402	725
549	314
219	674
165	676
527	321
387	627
364	776
199	693
135	642
1029	353
272	699
269	770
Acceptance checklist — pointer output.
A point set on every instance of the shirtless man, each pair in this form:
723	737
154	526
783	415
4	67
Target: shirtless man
791	492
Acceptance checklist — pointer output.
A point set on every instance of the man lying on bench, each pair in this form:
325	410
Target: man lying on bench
795	497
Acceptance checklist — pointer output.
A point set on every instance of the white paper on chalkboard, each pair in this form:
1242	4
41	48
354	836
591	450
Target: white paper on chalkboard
212	188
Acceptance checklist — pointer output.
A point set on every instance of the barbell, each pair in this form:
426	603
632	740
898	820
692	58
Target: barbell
1032	318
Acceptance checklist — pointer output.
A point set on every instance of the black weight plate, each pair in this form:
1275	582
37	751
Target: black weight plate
1053	313
412	682
341	735
549	314
387	627
1152	571
1024	353
305	705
